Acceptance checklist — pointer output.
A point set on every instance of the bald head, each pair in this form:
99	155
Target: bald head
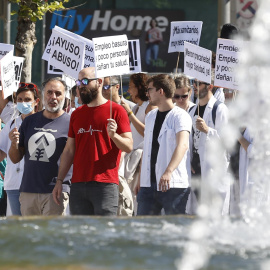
88	73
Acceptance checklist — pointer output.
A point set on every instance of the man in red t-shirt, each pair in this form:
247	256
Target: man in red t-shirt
94	145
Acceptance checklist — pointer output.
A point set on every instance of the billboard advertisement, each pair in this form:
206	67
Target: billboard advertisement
151	28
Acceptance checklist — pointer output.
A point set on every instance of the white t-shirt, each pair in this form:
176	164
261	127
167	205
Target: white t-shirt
14	172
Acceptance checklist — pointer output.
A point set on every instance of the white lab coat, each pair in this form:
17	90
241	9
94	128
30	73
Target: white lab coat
203	148
244	161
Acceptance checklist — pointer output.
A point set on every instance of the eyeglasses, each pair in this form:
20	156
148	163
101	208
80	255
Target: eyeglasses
149	89
199	83
180	96
106	87
29	86
84	81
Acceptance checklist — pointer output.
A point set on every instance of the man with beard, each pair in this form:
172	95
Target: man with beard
207	127
40	141
95	142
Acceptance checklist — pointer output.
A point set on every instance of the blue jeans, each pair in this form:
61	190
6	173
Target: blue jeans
151	201
151	53
94	198
13	199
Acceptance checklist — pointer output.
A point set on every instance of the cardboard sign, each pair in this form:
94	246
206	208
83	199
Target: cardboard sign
184	31
89	58
197	62
18	65
111	55
8	74
227	60
134	56
67	53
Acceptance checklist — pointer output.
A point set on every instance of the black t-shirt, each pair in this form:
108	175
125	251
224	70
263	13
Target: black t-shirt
195	163
155	145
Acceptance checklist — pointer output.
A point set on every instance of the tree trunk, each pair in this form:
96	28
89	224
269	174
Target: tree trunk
25	42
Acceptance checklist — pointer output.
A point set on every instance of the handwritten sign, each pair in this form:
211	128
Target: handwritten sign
111	55
184	31
134	56
197	62
8	74
4	49
67	53
227	60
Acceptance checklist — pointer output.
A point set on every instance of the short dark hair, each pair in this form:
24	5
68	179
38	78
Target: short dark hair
36	92
140	82
228	31
59	79
164	81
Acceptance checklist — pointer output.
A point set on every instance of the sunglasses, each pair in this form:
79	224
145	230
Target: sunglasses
106	87
180	96
28	86
199	83
84	81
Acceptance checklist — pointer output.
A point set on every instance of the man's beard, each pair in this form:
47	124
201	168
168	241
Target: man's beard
88	94
56	109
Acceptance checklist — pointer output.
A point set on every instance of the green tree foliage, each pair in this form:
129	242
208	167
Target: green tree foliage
29	11
35	9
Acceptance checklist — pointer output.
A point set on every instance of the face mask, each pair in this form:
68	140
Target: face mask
25	107
76	102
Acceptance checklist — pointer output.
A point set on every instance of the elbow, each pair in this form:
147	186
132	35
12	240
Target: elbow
129	146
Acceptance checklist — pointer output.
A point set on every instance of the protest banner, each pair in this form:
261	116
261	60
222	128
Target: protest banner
184	31
89	58
227	60
134	56
67	53
111	55
197	62
8	74
18	64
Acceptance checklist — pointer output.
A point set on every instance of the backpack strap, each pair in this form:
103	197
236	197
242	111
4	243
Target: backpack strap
214	111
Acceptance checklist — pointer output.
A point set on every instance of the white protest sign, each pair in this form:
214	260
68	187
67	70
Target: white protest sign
227	60
70	82
197	62
184	31
18	65
111	55
134	56
89	58
8	74
67	53
53	70
4	49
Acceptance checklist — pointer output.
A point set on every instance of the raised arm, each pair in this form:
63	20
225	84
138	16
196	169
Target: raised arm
16	152
123	141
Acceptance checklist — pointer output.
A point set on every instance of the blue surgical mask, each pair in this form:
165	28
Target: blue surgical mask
76	102
25	107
